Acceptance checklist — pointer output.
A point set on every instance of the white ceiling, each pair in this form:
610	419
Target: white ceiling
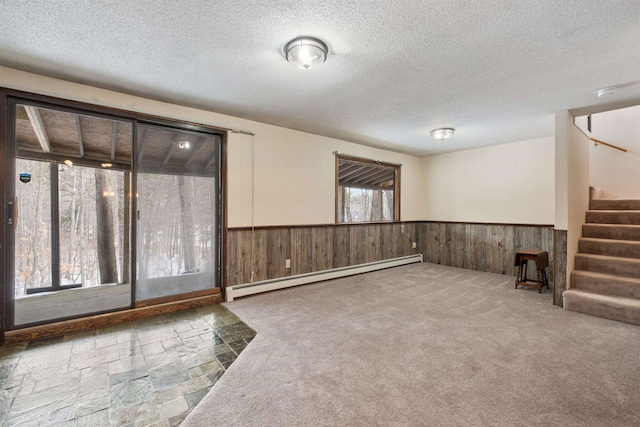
496	70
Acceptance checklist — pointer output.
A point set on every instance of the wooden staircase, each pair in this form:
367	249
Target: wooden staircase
606	279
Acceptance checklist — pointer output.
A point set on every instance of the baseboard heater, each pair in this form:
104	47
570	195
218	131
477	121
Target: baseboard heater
245	289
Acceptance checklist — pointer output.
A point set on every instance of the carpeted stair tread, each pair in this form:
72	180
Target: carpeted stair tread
606	284
611	247
611	231
606	279
614	204
612	307
631	217
628	267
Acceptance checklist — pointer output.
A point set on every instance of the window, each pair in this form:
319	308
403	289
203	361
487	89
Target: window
366	190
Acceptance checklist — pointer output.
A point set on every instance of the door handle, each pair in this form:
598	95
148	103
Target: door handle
12	213
15	212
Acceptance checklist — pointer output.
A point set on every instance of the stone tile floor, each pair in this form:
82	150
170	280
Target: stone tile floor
150	372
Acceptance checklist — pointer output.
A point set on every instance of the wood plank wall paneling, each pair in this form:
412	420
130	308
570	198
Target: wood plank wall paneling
560	265
314	248
340	248
301	244
239	264
322	239
483	247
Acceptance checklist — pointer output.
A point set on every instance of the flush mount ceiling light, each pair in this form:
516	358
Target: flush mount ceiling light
185	145
607	91
442	133
306	52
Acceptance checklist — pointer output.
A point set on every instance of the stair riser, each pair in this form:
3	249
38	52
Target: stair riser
615	204
620	217
611	232
620	267
574	302
618	249
608	286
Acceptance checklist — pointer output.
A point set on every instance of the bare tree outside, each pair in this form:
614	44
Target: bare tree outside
89	202
366	190
376	205
176	233
107	260
187	242
363	204
387	210
33	245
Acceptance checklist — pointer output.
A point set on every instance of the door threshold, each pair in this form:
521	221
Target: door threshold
106	319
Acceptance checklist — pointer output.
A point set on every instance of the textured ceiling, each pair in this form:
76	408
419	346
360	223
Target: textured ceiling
495	70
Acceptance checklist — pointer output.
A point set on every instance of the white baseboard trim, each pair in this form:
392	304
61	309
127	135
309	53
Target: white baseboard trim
245	289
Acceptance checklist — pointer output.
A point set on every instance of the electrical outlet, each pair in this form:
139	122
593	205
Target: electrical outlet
287	263
414	245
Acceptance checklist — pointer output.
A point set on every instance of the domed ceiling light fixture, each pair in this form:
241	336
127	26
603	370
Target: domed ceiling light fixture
442	133
607	91
306	52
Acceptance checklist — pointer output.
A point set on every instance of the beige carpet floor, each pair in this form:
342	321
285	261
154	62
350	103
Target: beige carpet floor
425	345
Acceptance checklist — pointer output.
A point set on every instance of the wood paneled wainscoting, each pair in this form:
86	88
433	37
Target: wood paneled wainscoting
263	252
490	247
560	265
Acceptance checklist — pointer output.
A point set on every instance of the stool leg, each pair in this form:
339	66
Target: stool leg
539	281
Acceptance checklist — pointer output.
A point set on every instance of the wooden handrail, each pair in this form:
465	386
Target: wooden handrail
597	141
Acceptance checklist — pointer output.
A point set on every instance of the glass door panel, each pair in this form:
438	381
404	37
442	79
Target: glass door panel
177	205
71	232
33	229
91	226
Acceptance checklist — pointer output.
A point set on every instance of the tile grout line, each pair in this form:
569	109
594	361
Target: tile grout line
138	399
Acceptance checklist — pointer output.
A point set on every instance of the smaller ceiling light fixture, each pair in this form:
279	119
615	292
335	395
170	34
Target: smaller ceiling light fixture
442	133
306	52
106	165
184	145
68	163
607	91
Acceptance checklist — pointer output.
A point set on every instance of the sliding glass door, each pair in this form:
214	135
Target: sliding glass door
177	201
106	213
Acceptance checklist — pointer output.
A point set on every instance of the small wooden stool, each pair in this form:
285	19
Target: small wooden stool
542	262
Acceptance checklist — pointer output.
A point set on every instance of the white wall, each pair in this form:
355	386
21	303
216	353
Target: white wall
616	173
562	174
577	190
293	172
510	183
295	177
